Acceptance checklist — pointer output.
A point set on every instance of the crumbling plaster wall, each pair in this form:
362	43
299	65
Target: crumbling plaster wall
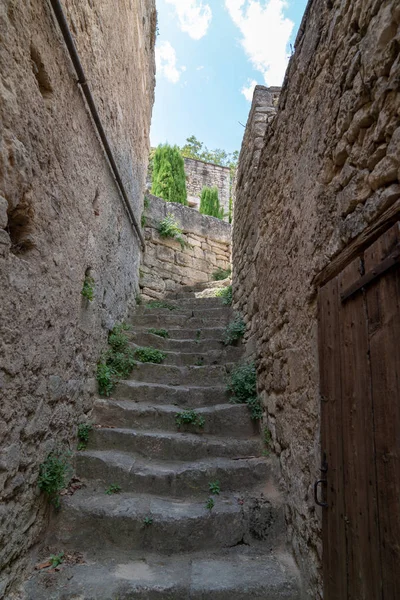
200	174
327	168
60	214
166	266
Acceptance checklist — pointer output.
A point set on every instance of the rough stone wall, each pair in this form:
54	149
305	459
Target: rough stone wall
326	169
60	215
200	174
166	266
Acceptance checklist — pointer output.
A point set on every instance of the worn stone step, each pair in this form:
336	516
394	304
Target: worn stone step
190	301
193	355
224	420
184	333
174	479
172	375
238	573
180	396
202	345
189	311
172	446
89	519
175	319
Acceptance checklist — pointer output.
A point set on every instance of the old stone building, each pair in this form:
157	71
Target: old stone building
62	217
200	174
317	183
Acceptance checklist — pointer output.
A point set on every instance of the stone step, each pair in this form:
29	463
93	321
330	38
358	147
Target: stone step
193	345
190	301
91	518
172	446
224	420
180	396
210	375
196	311
184	333
174	479
238	573
175	319
190	352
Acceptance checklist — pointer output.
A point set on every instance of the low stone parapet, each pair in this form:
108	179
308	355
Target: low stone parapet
166	264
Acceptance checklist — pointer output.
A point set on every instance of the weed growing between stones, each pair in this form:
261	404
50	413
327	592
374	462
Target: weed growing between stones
147	521
83	435
234	331
143	220
160	304
226	294
117	362
169	227
243	386
198	336
54	474
149	355
189	417
88	288
160	332
220	274
57	559
114	488
146	202
199	362
214	487
210	504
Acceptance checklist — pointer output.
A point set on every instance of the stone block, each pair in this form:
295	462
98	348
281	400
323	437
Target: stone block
165	253
153	282
385	172
3	213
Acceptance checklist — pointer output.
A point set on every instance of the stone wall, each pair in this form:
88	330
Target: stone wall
61	216
325	170
166	266
200	174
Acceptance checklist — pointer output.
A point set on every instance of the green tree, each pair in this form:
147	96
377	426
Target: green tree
196	149
169	180
209	203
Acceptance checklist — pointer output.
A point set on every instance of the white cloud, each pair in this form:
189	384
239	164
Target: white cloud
266	33
248	91
200	68
194	16
166	62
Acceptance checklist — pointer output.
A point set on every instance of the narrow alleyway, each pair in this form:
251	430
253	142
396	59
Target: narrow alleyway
196	513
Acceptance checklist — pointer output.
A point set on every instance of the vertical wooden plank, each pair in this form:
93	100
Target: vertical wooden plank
362	534
333	526
384	333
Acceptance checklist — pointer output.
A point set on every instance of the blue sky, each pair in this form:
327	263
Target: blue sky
210	53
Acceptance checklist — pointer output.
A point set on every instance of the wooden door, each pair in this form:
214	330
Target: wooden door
359	345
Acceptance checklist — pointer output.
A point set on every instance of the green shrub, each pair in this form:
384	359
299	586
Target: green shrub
160	332
151	355
143	220
88	288
57	559
168	176
169	227
189	417
243	387
54	475
83	435
117	362
234	331
209	203
226	294
221	274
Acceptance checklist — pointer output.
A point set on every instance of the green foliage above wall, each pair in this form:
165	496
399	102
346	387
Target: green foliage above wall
168	179
209	203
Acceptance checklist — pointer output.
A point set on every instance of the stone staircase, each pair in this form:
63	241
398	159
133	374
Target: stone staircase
156	539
